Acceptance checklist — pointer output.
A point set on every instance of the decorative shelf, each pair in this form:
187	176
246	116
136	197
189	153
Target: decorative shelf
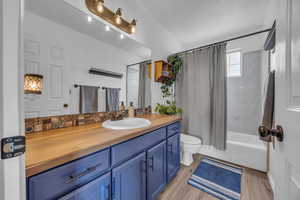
163	71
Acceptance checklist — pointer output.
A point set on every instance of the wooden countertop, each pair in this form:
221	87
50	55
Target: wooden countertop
49	149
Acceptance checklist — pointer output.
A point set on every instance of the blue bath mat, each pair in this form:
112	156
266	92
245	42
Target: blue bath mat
216	178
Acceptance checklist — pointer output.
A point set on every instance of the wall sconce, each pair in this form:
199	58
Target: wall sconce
115	18
33	84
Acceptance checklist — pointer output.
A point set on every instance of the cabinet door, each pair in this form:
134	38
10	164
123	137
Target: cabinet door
173	156
98	189
129	179
157	161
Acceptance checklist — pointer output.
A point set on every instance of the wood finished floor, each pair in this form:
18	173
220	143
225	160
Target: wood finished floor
255	186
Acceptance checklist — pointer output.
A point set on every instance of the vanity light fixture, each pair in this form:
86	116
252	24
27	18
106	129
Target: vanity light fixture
33	84
98	8
118	16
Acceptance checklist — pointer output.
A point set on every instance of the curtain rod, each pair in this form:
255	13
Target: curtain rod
146	61
103	88
228	40
76	86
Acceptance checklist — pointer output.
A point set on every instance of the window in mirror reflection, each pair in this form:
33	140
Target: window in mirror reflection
139	84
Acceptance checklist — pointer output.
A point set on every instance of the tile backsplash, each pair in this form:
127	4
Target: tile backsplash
33	125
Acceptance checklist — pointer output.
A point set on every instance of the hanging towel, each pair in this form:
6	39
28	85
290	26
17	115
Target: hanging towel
88	99
112	99
268	115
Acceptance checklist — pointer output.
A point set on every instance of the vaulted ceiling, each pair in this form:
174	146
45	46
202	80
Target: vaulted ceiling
169	25
195	22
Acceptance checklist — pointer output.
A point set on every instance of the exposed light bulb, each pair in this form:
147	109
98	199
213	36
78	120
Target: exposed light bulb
118	19
90	19
122	36
133	29
118	16
100	6
133	26
107	28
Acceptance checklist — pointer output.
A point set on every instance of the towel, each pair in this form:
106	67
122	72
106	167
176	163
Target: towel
88	99
112	99
268	115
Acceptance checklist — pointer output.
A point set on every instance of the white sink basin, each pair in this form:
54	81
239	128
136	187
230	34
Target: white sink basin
127	123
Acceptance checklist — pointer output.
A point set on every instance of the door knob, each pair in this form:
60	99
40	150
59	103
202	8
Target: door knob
276	132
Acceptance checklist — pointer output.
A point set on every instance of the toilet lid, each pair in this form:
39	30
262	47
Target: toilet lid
188	139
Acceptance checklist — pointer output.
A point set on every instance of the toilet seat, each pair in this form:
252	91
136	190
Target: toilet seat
191	140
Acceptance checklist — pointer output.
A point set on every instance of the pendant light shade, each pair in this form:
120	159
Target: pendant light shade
33	84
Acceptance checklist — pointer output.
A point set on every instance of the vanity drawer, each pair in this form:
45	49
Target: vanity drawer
123	151
64	179
173	129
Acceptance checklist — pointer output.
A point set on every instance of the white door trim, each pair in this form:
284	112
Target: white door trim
12	171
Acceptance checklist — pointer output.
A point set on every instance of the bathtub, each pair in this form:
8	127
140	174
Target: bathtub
242	149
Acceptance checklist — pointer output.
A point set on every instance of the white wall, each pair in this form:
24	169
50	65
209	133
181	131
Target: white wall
72	54
244	95
253	43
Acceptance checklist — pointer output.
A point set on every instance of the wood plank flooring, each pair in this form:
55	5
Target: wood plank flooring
255	186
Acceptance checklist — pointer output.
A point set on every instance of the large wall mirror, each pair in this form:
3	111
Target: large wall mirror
62	44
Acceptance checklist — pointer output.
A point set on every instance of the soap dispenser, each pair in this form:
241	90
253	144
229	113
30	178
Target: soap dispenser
122	107
131	110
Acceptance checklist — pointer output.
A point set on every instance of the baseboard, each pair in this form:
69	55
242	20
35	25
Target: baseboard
272	183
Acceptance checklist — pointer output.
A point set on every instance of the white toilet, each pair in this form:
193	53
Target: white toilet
189	146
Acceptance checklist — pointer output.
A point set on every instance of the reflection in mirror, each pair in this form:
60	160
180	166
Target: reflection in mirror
139	84
62	44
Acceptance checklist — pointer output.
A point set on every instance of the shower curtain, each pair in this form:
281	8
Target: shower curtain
142	85
201	92
144	96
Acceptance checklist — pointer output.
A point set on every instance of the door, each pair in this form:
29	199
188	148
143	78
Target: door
12	171
156	170
129	179
47	58
173	156
284	159
98	189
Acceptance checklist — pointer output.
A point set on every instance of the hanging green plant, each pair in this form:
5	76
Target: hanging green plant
167	88
167	84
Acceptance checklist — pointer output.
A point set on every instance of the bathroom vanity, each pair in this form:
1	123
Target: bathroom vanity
93	163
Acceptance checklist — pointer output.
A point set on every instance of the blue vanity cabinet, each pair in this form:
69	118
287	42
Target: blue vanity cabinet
137	169
173	129
129	179
59	181
156	170
98	189
173	156
125	150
